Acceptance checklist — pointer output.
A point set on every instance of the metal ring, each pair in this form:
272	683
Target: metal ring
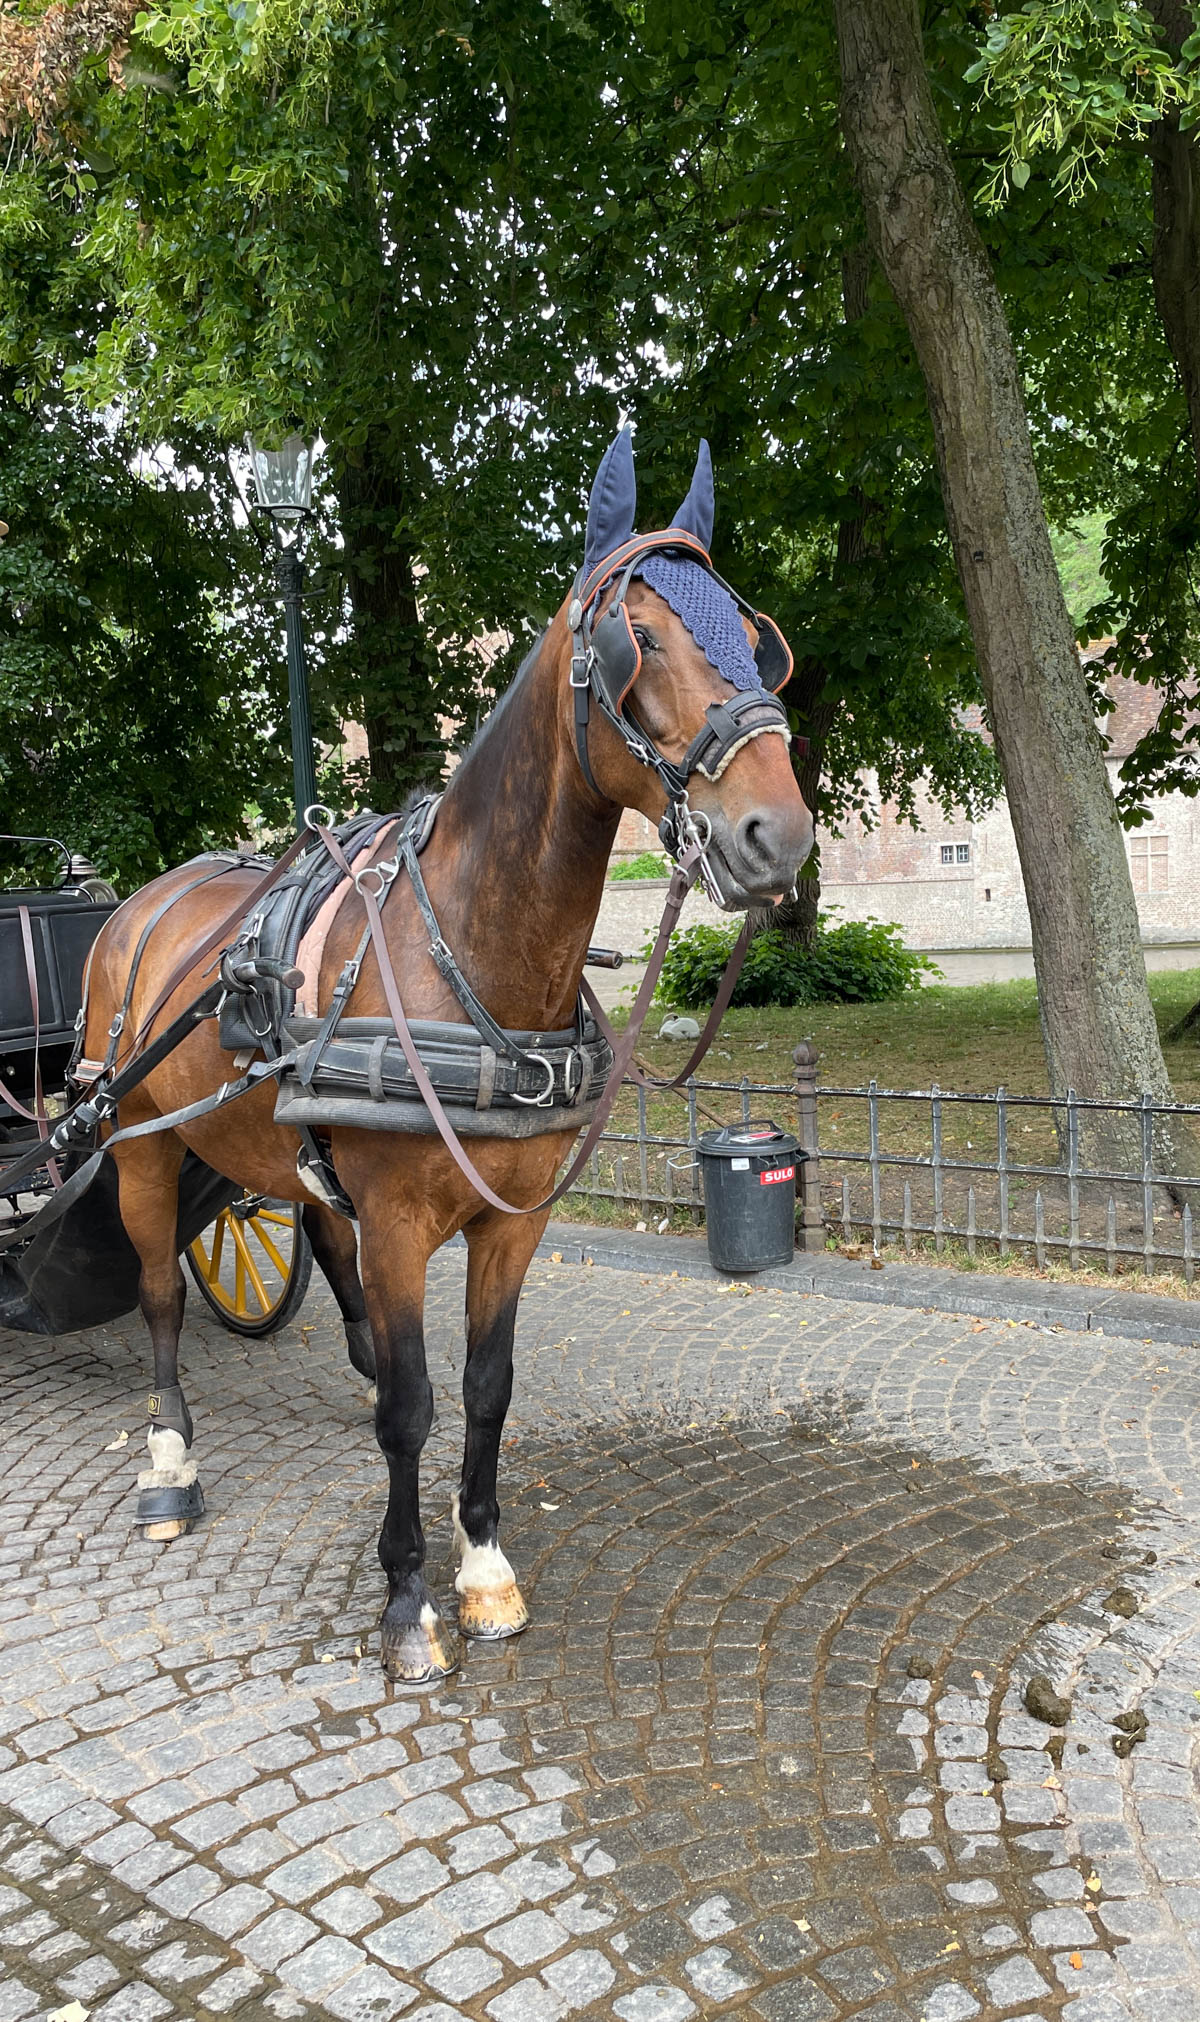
315	808
370	871
542	1099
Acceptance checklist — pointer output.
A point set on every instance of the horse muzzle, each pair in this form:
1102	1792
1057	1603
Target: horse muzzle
756	860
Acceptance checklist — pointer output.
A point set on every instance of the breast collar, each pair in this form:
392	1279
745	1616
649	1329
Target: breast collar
606	661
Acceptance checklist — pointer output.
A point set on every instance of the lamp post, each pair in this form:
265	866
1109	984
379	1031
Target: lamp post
283	487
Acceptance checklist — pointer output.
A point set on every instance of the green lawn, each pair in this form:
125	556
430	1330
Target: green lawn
976	1039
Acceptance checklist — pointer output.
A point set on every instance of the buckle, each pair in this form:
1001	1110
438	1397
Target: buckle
581	669
543	1099
378	871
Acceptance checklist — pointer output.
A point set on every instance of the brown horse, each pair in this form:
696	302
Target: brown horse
515	870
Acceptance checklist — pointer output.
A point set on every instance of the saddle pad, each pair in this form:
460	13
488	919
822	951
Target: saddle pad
315	933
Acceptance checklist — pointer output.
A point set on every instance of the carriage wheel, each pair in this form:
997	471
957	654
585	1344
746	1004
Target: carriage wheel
253	1264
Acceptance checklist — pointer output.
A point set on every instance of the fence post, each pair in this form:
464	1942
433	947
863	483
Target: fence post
810	1232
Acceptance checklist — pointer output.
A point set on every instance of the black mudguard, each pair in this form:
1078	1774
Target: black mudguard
83	1270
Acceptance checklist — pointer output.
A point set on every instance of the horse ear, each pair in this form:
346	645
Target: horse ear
695	515
613	502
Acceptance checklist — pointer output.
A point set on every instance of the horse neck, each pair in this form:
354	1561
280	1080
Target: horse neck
524	851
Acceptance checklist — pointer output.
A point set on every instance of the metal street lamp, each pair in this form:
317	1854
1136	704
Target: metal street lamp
283	487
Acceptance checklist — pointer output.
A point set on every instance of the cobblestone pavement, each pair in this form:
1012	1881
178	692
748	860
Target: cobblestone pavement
791	1565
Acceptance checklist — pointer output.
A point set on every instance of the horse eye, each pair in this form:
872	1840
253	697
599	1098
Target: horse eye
645	639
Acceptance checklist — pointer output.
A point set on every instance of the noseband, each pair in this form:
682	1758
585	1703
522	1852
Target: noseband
606	661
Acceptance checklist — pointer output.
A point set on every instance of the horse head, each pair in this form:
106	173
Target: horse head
675	679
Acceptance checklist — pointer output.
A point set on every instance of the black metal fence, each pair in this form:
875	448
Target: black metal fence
1073	1178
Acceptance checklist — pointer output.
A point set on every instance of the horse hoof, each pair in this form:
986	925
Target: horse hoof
419	1653
492	1616
170	1511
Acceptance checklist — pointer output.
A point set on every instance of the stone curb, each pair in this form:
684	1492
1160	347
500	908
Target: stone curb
1129	1315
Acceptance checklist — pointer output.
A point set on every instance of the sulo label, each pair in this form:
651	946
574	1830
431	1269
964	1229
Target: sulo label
777	1173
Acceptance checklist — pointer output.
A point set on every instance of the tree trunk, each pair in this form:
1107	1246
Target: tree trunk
1175	250
1097	1022
387	662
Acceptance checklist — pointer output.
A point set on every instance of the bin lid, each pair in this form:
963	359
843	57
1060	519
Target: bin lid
757	1137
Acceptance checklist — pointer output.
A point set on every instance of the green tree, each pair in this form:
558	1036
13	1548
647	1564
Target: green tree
1097	1021
359	221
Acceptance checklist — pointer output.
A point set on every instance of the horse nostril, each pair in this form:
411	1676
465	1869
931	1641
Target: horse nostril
755	842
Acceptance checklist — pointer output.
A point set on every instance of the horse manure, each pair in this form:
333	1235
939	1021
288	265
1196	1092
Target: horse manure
919	1667
1110	1551
1054	1749
1121	1601
1043	1703
1124	1744
997	1768
1150	1559
1136	1724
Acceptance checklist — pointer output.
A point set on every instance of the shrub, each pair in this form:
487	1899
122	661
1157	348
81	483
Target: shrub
648	865
858	962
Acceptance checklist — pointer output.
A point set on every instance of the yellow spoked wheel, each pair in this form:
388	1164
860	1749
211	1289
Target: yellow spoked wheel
252	1266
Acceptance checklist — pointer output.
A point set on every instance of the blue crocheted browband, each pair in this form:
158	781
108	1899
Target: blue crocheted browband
708	611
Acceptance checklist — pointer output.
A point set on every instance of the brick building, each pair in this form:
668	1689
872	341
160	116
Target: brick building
955	888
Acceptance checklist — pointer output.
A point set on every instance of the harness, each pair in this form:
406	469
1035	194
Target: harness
477	1079
606	660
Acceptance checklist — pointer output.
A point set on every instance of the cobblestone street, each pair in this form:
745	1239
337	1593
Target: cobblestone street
791	1562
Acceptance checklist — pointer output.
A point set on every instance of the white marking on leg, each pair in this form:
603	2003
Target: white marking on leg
484	1568
171	1464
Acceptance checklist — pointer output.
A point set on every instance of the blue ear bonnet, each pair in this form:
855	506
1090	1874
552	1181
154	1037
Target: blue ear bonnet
697	597
708	611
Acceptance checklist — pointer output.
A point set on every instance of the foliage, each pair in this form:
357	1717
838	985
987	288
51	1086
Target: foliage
1078	552
650	864
1072	77
355	221
858	962
139	684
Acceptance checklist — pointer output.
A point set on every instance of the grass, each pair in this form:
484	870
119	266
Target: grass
974	1039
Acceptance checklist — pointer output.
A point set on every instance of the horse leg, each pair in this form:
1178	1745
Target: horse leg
416	1646
500	1250
335	1247
148	1178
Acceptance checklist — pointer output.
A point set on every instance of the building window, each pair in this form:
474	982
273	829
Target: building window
1148	862
962	853
947	852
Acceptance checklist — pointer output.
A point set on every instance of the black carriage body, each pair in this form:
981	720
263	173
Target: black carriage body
62	926
82	1270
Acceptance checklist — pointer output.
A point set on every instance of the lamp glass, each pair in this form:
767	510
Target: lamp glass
283	477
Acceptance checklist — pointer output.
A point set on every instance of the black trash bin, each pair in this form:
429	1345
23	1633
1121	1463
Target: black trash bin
750	1195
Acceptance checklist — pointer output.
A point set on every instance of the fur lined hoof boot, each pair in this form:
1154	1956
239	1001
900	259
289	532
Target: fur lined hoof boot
171	1498
493	1615
361	1348
418	1653
167	1513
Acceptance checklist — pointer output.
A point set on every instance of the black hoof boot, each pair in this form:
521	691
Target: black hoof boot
361	1348
417	1646
164	1514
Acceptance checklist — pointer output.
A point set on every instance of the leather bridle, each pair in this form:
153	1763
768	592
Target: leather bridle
606	661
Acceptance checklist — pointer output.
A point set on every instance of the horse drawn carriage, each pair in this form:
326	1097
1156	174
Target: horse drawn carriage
249	1259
